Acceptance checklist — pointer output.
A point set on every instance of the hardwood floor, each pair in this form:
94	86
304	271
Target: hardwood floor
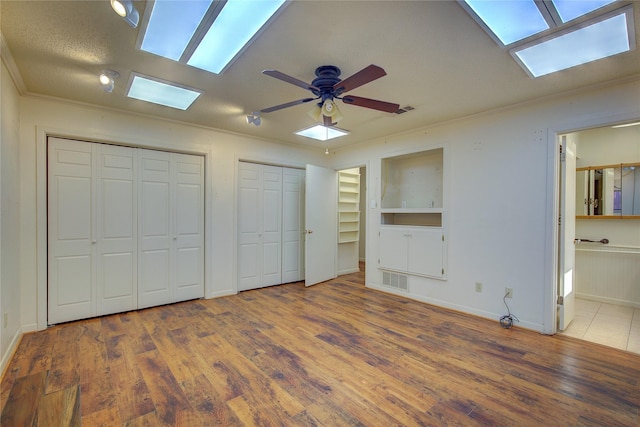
335	354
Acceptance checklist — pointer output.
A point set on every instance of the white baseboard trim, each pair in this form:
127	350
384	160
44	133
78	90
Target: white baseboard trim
6	357
348	271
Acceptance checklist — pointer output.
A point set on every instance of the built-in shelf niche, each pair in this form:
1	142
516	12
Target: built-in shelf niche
348	206
412	189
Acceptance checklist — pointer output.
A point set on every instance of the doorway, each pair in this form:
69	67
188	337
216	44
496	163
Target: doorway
352	221
606	237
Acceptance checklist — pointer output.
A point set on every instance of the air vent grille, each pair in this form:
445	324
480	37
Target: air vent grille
395	280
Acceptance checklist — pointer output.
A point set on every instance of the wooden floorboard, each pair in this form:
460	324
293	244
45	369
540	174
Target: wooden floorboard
335	354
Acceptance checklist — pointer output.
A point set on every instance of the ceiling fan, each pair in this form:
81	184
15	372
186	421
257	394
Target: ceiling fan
328	86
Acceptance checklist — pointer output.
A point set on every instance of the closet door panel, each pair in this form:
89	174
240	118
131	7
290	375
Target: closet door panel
117	229
188	214
71	231
154	230
249	248
271	225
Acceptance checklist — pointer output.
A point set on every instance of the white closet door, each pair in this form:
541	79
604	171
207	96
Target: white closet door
259	226
71	231
117	229
155	231
292	225
271	225
188	214
249	251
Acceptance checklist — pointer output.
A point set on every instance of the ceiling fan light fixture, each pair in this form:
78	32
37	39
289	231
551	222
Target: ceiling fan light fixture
127	11
316	113
330	109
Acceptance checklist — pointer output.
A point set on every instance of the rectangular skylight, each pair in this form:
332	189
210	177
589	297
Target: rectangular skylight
595	40
234	27
509	21
322	133
171	26
207	34
153	90
572	9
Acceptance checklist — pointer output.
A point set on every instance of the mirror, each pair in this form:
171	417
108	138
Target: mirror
608	190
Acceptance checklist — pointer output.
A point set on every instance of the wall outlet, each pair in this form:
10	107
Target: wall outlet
478	287
508	292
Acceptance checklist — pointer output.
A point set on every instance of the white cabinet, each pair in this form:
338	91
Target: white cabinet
348	206
412	233
413	250
269	225
122	224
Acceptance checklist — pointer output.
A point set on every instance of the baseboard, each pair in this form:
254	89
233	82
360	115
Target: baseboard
605	300
348	271
6	357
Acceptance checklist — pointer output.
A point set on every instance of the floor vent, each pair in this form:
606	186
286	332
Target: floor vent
395	280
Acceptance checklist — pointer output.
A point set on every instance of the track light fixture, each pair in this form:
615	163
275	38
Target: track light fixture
107	80
254	118
127	11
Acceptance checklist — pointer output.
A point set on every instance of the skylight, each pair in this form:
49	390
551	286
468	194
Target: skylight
592	42
207	34
540	39
153	90
322	133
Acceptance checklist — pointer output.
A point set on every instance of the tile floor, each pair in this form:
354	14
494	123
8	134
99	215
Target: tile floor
606	324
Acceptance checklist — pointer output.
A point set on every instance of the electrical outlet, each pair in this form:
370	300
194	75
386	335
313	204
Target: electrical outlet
508	292
478	287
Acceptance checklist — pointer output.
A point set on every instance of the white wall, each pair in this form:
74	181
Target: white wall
499	200
40	116
9	216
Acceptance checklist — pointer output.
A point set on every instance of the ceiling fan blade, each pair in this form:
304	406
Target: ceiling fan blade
387	107
360	78
285	78
286	105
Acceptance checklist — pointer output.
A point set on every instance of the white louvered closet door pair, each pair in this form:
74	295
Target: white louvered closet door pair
99	257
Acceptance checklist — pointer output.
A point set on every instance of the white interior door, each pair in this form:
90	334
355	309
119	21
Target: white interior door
155	229
566	267
71	231
188	219
117	266
271	224
321	207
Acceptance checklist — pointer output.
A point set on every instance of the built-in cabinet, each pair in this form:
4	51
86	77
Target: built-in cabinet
125	228
270	225
412	235
348	206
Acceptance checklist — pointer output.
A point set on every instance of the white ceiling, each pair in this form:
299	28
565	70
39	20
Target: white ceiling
437	59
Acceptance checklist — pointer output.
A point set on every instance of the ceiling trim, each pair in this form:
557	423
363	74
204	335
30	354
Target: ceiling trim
10	63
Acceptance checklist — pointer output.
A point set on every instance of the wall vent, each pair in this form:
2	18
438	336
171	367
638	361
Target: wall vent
395	280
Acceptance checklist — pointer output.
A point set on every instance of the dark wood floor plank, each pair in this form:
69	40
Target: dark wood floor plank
22	405
60	408
335	354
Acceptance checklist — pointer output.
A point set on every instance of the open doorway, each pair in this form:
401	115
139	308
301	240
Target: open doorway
605	190
352	196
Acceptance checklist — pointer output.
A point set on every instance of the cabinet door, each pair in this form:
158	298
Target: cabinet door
155	231
71	231
425	252
117	229
188	237
393	249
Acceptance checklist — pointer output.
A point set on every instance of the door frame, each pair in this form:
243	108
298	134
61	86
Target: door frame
42	134
551	268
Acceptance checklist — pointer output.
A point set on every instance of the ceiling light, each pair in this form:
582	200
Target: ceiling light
107	80
161	92
591	41
204	34
127	11
254	118
322	133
